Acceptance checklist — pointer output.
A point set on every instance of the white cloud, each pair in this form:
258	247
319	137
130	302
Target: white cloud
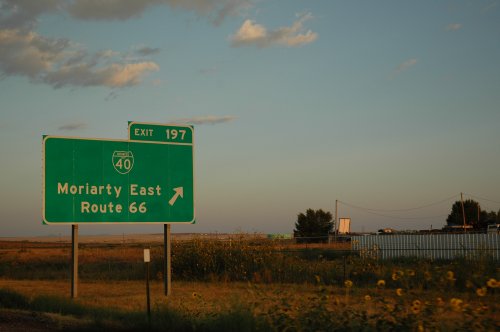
208	71
115	75
58	62
210	119
453	27
406	65
492	6
145	51
253	34
73	126
28	54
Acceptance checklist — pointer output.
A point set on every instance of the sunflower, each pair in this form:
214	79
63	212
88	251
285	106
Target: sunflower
439	302
415	309
492	283
399	292
481	291
381	283
348	283
456	304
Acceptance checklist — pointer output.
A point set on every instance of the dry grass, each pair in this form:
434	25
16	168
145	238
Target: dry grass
422	294
212	297
131	295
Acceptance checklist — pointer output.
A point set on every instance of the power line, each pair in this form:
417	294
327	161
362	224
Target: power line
482	198
403	218
401	210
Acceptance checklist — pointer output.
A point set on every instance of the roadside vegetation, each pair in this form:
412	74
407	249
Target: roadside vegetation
275	286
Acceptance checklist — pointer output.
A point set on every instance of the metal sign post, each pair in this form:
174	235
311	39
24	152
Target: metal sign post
74	261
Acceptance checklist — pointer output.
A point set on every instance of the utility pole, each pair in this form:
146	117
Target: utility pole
478	212
335	226
463	210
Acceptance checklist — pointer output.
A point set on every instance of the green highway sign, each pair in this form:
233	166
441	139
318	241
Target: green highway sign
152	132
117	181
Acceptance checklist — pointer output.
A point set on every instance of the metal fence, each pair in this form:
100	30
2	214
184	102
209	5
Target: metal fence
433	246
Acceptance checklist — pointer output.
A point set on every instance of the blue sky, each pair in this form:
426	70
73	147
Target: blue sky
386	105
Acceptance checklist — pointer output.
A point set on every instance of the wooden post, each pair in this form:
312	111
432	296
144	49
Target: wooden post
167	260
74	261
147	260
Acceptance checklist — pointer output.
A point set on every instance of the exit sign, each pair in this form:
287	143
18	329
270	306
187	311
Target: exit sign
167	133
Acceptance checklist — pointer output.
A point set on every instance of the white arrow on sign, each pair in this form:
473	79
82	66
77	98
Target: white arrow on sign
179	191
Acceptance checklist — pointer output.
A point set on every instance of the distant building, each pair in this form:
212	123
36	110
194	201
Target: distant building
457	228
344	225
386	231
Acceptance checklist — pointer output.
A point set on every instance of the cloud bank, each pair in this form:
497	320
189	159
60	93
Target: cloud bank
61	63
215	10
17	13
253	34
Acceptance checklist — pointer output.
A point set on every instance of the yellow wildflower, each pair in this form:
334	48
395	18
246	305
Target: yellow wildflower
456	304
399	292
492	283
348	283
415	309
395	276
416	306
439	302
368	298
481	291
450	276
381	283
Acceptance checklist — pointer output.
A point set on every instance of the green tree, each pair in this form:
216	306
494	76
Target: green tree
314	225
473	215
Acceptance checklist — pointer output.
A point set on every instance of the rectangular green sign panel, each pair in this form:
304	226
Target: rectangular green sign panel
142	131
117	181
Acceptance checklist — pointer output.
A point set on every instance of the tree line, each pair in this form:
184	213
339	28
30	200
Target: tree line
318	224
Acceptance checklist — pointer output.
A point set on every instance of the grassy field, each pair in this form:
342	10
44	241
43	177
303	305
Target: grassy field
259	285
